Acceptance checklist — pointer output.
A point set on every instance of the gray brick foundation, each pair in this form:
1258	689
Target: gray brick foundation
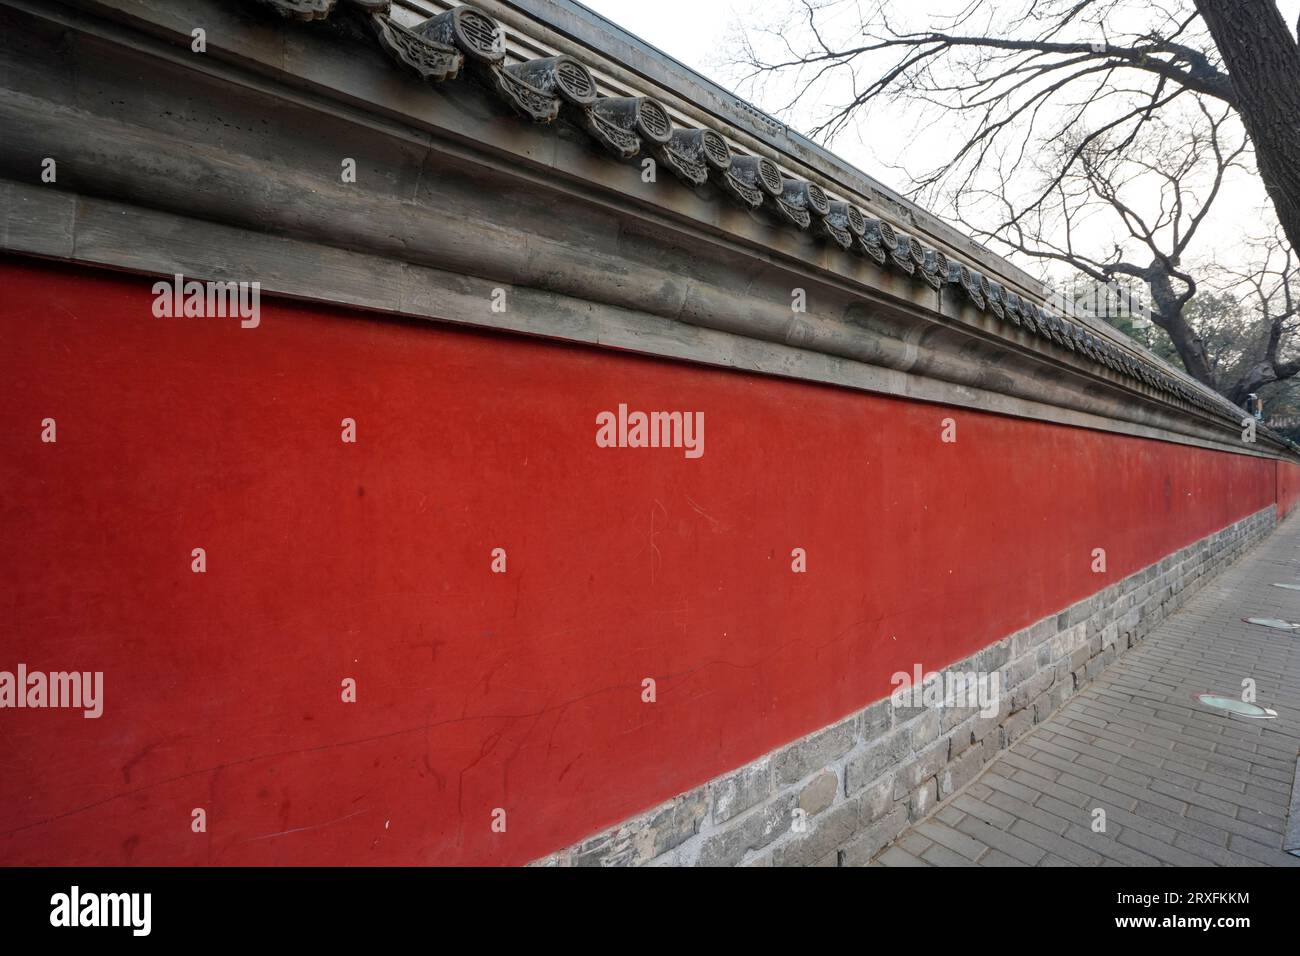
838	796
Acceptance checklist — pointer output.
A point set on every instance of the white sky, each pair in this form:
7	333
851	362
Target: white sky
700	34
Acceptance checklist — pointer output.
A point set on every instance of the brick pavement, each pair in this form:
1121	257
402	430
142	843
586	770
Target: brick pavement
1180	784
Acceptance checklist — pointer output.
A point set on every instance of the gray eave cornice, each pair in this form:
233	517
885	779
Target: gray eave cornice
580	105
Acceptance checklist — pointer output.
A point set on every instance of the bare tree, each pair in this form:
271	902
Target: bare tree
1263	62
1269	293
1245	320
1012	68
1155	193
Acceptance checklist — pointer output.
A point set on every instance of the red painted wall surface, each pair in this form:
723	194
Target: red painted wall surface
372	561
1288	487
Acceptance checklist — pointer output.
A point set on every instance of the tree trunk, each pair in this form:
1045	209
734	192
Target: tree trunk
1255	378
1263	61
1265	372
1167	312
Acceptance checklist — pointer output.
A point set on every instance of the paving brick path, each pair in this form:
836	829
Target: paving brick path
1180	784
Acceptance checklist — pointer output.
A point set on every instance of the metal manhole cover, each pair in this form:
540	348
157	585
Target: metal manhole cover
1271	622
1238	707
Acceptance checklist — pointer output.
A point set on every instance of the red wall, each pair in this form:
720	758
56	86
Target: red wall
371	561
1288	487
